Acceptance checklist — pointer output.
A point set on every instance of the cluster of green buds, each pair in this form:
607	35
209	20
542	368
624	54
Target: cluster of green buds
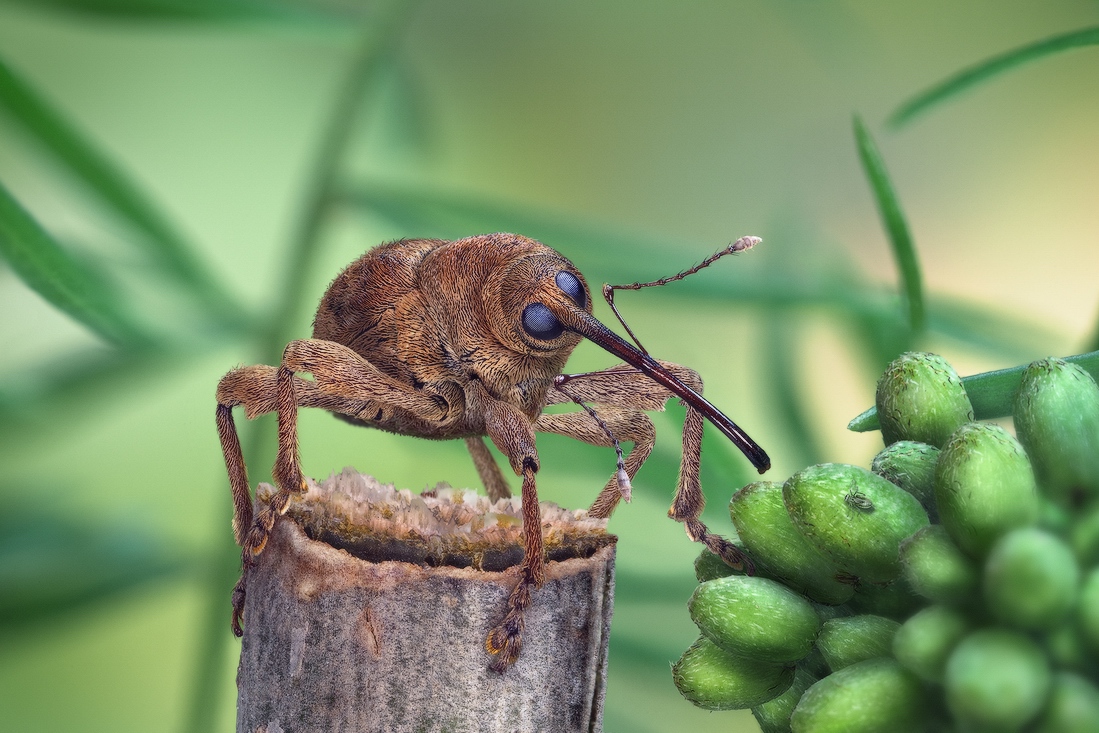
953	586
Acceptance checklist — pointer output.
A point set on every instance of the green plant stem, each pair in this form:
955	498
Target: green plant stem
992	393
382	32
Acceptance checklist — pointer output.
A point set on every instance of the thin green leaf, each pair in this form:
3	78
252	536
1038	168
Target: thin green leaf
992	393
988	69
66	282
895	225
185	10
51	566
111	187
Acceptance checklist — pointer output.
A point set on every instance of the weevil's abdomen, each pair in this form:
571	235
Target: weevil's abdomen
359	309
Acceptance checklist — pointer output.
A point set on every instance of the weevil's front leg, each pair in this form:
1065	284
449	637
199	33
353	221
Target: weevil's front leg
625	425
511	431
624	385
689	500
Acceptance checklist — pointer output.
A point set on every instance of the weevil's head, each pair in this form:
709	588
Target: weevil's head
531	298
538	303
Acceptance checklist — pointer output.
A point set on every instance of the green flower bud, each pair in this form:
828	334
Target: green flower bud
1030	579
856	518
936	568
920	397
714	679
1088	609
755	617
1073	706
773	716
1084	537
846	640
773	541
911	466
924	642
1056	415
894	599
1067	648
869	697
709	565
984	487
996	679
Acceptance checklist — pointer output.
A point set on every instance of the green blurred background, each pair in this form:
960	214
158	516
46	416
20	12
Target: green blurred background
268	143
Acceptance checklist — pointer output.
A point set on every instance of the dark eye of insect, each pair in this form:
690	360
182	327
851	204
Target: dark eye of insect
540	323
570	286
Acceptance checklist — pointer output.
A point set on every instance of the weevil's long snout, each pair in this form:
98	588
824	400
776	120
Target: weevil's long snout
583	323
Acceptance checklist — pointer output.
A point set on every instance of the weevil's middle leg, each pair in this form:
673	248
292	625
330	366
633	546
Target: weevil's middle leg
491	476
512	432
627	425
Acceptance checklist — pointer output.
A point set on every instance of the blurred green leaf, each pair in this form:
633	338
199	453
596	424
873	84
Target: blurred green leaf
634	586
988	69
190	10
41	401
781	357
51	566
380	37
606	253
895	225
404	113
113	189
992	393
68	283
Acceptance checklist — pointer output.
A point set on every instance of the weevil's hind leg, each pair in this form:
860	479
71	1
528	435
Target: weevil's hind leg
343	382
238	472
242	500
287	470
689	500
625	425
491	476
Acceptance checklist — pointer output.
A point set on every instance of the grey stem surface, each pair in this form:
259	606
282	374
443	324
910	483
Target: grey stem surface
335	642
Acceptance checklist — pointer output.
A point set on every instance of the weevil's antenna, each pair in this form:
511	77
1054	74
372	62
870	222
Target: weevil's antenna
624	486
740	245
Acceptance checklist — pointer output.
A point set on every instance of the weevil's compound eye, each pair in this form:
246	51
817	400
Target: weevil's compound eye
540	323
570	286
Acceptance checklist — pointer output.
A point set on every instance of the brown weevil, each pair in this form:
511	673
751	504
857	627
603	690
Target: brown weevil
467	339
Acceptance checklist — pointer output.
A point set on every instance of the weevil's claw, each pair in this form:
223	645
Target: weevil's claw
238	607
505	642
